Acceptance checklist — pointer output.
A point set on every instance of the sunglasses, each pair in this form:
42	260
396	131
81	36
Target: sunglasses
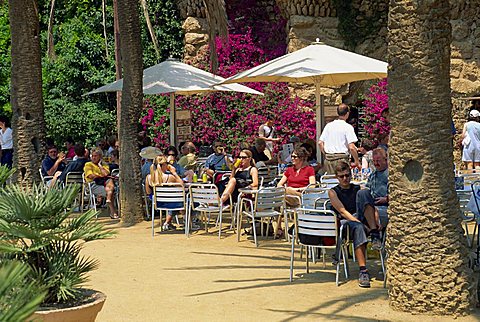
295	157
243	157
344	175
173	154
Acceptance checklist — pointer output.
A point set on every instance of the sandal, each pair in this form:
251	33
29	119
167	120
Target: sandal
114	216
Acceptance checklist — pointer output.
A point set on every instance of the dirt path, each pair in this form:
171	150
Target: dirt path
172	278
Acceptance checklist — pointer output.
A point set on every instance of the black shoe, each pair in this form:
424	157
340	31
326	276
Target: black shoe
364	279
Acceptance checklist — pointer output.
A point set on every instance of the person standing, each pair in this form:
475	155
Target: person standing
266	132
337	141
6	142
470	140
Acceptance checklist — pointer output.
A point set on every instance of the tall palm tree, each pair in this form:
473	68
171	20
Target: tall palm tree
26	94
428	264
129	114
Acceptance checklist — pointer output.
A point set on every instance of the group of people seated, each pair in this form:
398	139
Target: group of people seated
57	165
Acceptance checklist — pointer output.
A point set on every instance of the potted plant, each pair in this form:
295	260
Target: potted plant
19	296
38	229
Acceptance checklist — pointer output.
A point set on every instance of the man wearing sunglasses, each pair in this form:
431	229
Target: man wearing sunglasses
219	160
337	141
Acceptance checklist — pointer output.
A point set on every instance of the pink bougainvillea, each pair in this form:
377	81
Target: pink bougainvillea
235	117
375	103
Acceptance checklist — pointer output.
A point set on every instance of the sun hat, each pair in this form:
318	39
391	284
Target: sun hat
150	152
474	113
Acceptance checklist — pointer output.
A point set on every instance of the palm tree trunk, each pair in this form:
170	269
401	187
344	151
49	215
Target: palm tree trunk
28	122
428	261
131	106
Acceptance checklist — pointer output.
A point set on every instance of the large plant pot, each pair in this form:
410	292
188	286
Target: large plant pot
86	312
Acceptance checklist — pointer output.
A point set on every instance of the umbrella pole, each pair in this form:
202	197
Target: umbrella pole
172	119
320	117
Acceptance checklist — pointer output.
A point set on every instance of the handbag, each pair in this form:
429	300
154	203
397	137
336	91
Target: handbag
100	181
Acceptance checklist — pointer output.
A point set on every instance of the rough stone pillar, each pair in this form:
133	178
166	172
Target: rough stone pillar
428	259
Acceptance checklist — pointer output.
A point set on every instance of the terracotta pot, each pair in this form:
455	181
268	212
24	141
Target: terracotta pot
83	313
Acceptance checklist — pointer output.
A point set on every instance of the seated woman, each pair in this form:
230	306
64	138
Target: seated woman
243	176
343	198
162	172
297	177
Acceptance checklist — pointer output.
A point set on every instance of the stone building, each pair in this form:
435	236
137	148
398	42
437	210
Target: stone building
367	21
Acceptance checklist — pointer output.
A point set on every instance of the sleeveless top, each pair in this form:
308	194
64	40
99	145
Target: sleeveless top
348	197
244	178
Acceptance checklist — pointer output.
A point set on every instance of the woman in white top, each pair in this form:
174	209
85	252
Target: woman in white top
6	142
471	140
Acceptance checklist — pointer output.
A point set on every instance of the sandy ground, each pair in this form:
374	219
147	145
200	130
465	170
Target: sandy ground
202	278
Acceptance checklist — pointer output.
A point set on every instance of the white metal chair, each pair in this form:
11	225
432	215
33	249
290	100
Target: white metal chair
267	175
76	178
45	179
205	199
268	203
328	180
165	194
466	215
318	223
92	201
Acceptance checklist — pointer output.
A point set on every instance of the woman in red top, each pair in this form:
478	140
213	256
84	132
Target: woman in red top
297	178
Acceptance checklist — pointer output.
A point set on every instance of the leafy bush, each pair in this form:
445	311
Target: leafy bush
36	229
19	296
376	102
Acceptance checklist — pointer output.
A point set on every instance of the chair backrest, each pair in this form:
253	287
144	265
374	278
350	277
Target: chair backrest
314	197
267	175
74	177
328	180
204	194
270	199
44	178
470	178
169	193
463	199
316	222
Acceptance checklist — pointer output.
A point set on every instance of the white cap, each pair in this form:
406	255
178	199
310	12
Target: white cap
474	113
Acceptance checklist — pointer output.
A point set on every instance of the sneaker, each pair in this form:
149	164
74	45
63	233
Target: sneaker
364	279
168	226
376	244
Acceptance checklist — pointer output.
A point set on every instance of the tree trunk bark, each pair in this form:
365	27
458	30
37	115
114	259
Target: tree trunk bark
28	123
50	45
428	260
118	58
151	31
132	102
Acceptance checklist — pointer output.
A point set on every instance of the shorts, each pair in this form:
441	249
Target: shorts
98	190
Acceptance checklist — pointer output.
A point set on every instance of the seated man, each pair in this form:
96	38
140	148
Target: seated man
77	165
373	201
96	173
219	160
189	159
343	198
53	164
258	153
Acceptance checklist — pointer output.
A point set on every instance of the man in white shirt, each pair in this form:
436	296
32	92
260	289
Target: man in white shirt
6	142
266	131
337	141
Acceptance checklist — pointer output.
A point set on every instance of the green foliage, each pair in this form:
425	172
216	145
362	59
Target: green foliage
36	229
19	295
5	60
5	173
167	25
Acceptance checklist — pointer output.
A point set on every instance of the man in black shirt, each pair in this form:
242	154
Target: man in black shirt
77	165
258	152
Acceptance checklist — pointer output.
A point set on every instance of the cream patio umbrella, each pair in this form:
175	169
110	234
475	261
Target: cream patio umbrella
316	64
176	78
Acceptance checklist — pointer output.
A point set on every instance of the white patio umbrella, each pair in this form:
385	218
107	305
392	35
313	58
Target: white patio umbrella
316	64
176	78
